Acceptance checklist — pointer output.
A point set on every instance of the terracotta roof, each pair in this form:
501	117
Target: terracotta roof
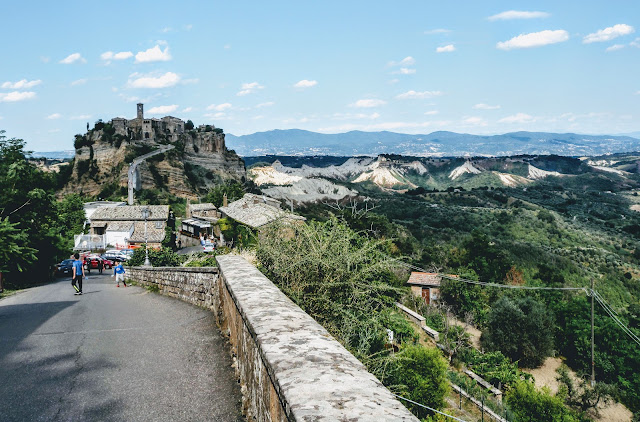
424	279
131	213
254	211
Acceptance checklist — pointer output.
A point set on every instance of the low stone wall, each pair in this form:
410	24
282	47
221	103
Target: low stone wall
194	285
290	367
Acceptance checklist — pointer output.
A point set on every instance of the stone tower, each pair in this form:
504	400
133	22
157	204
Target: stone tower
140	111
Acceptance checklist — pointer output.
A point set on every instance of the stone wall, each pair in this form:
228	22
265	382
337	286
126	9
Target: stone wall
290	367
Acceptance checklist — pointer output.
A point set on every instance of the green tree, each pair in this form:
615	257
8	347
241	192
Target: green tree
189	125
531	405
522	330
232	189
422	375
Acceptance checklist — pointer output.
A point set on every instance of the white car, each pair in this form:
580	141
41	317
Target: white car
209	247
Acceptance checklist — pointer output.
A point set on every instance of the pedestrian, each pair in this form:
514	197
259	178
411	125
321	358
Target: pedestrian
118	273
100	265
179	243
78	274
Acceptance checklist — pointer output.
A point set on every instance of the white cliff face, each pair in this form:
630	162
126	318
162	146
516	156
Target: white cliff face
511	180
270	176
536	173
384	177
310	190
610	170
467	167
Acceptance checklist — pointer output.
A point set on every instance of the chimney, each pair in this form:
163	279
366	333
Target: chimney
225	201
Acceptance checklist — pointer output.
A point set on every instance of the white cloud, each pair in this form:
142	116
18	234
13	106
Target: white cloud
249	88
635	43
475	121
72	58
368	103
407	61
615	47
431	113
517	14
137	80
163	109
54	116
437	31
227	47
411	95
219	107
154	54
80	117
517	118
267	104
608	34
79	82
305	84
534	39
14	96
486	107
21	84
446	49
110	55
187	109
404	71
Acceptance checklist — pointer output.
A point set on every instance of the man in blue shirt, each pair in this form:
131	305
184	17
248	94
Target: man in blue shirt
118	273
78	274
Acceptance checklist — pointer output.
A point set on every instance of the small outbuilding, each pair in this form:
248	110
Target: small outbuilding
425	285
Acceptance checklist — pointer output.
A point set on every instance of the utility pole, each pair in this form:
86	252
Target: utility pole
593	362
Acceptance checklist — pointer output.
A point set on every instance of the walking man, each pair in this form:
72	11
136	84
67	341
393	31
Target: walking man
100	265
118	273
78	274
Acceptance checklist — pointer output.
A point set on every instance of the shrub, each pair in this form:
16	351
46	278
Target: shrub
531	405
163	257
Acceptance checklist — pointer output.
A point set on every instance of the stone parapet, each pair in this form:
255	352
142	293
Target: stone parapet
290	367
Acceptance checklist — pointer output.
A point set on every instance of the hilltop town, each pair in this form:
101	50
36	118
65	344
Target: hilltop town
198	160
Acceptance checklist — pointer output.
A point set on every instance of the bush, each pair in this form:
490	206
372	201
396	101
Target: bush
163	257
531	405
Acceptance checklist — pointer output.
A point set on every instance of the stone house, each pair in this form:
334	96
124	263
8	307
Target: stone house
124	226
425	285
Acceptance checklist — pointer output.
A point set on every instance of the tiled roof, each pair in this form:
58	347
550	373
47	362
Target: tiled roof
119	226
154	235
202	207
131	213
424	279
252	211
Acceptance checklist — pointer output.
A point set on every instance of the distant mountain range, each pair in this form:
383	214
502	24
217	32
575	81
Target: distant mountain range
448	144
439	144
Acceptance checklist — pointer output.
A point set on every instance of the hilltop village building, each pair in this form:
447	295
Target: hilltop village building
124	226
140	128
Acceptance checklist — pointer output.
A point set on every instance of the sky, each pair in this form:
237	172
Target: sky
328	66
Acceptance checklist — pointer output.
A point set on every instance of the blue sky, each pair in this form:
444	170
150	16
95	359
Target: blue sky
328	66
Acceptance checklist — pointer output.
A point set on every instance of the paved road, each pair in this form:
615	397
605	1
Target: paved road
112	354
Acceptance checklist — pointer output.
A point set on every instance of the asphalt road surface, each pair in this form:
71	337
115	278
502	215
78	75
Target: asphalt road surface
112	354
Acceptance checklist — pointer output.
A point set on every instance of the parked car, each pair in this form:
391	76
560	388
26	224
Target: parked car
116	254
209	247
91	262
65	268
108	264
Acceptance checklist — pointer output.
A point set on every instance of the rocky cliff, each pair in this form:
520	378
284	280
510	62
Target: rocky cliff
198	161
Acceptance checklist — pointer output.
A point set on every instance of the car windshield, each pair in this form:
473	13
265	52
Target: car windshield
67	261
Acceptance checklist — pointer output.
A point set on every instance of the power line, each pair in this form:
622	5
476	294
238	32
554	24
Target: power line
430	408
608	309
614	316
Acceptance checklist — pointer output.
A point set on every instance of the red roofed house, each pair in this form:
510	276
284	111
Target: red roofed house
425	285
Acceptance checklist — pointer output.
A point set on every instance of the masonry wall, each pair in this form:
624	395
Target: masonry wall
290	367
